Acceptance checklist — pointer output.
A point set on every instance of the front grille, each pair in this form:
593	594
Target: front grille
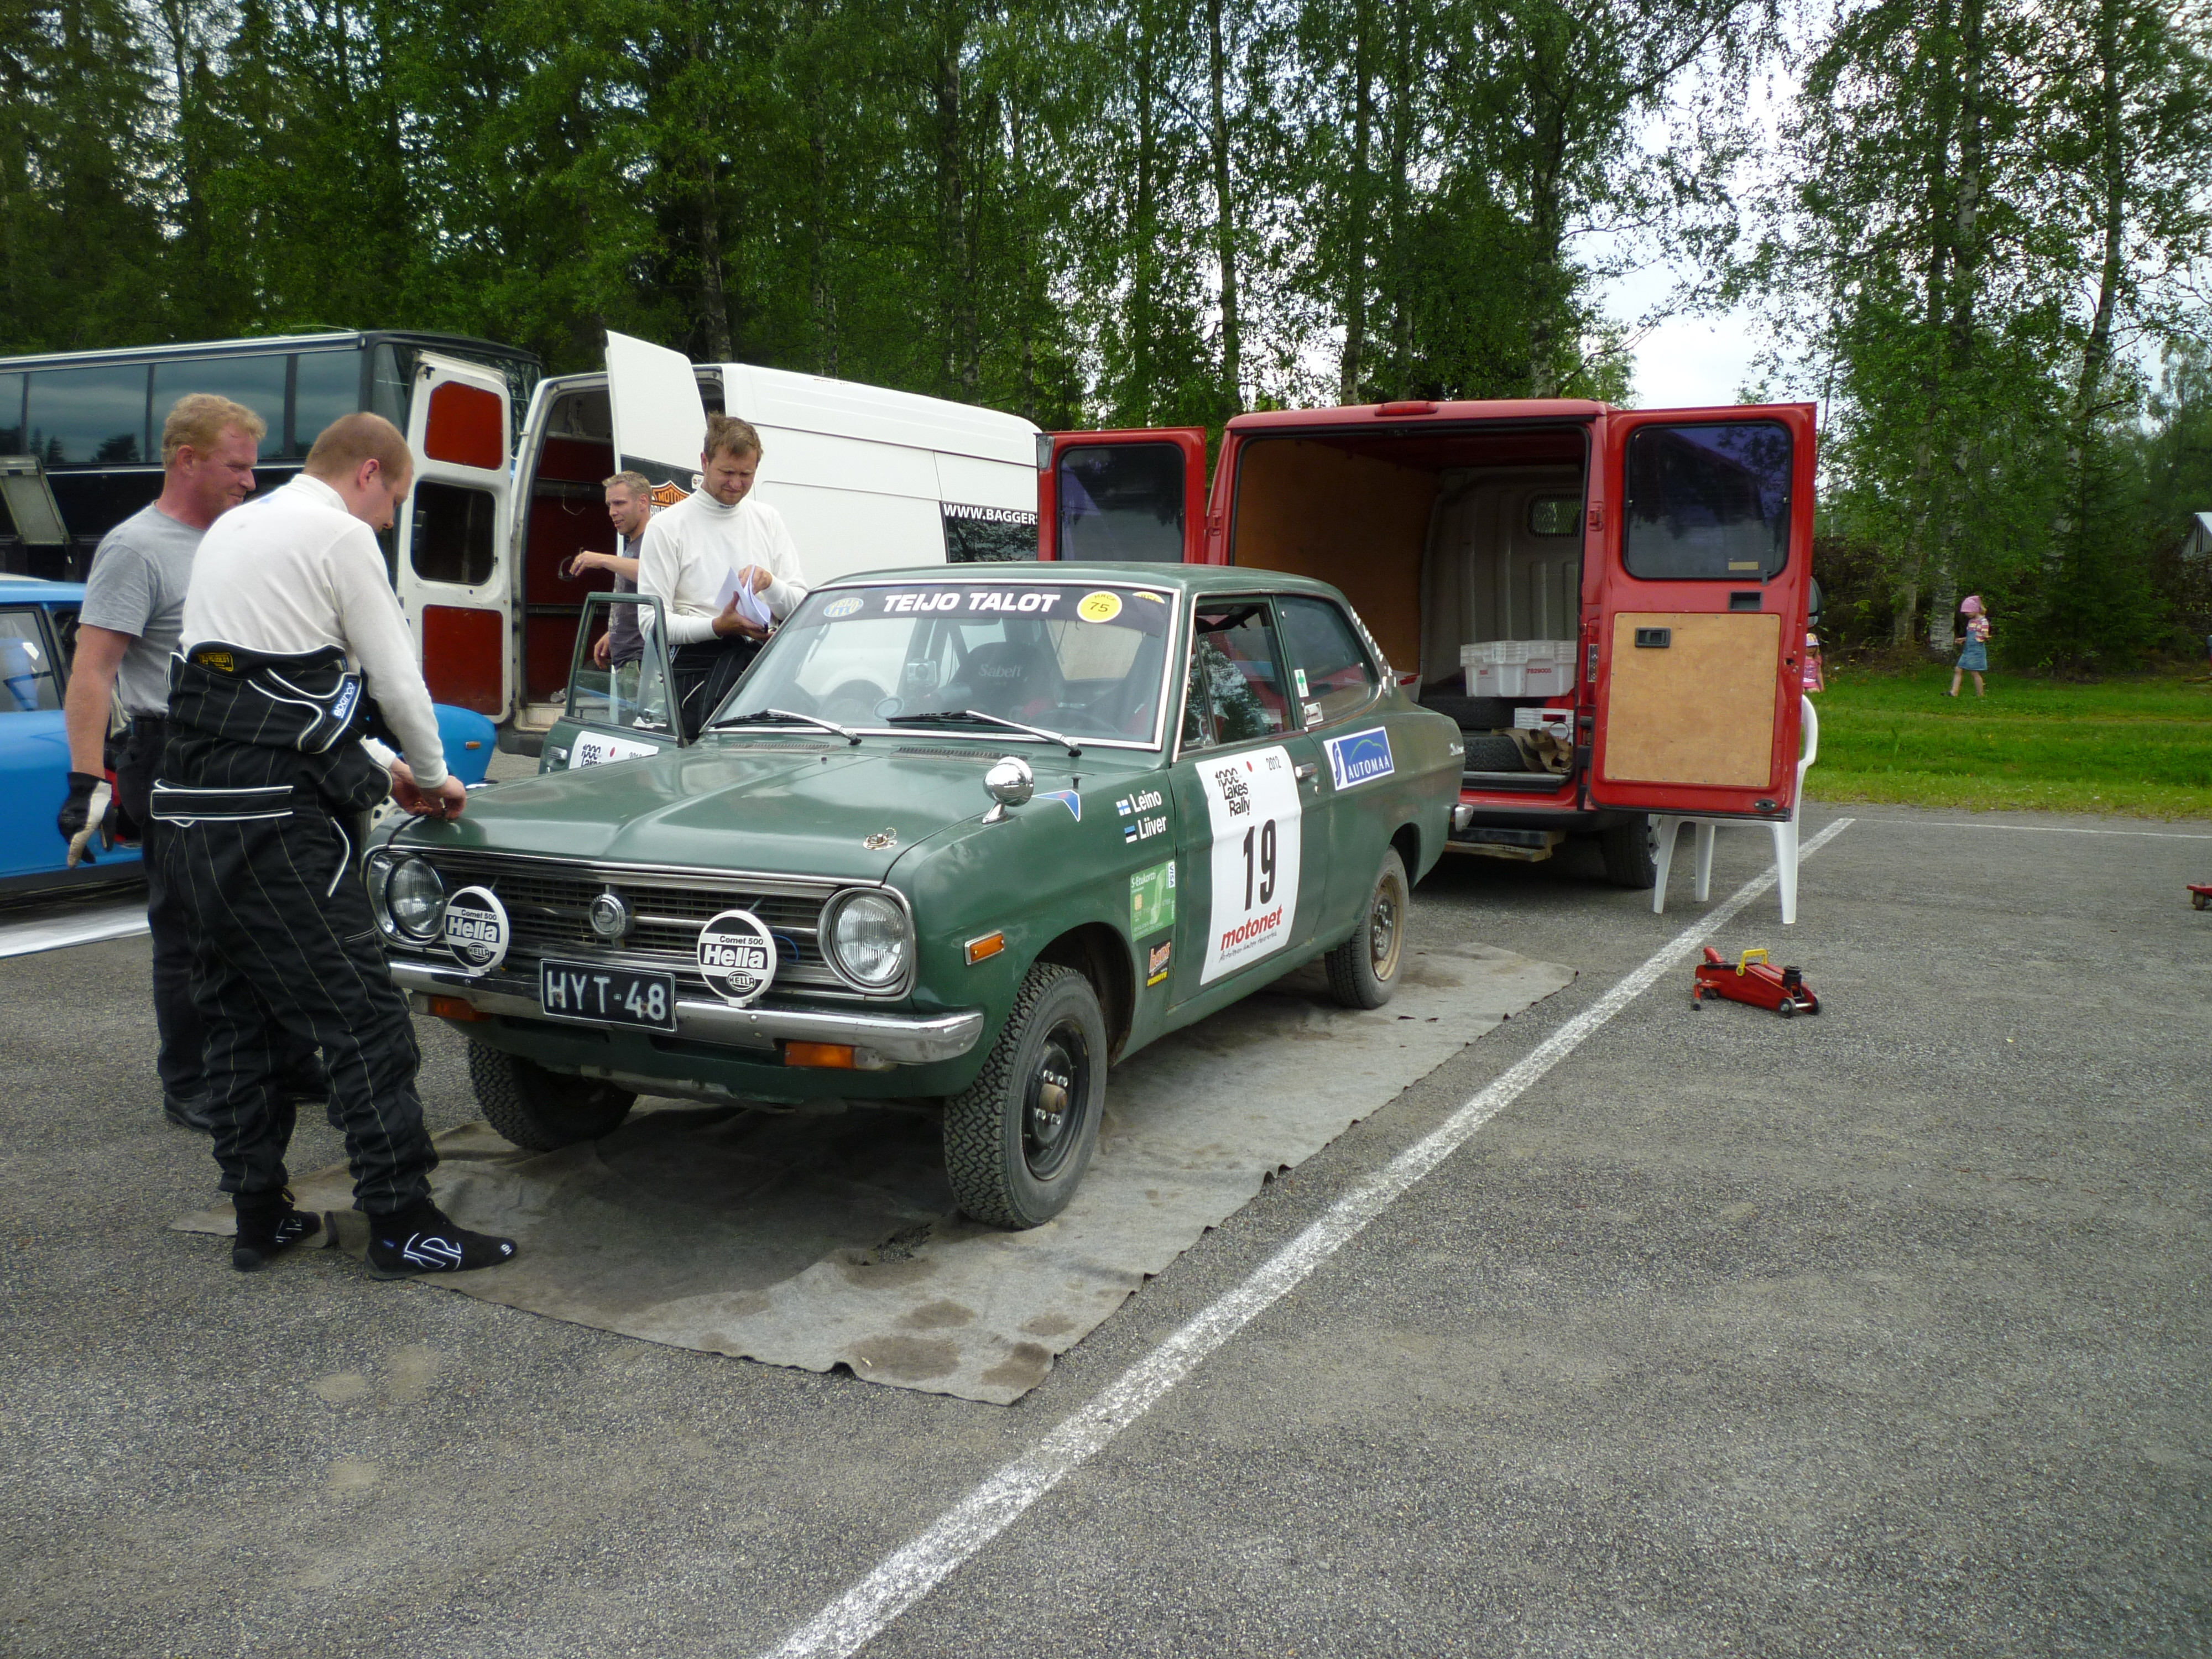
549	910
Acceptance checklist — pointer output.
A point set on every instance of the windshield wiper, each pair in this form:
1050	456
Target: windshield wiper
844	731
1073	748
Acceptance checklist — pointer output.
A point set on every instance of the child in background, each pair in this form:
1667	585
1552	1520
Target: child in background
1974	654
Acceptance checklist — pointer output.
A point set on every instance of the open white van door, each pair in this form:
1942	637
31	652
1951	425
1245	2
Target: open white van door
660	419
459	602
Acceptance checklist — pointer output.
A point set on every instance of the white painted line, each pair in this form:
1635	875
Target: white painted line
77	927
2036	828
907	1575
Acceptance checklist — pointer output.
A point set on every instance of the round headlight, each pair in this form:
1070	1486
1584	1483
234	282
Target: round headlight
868	939
416	899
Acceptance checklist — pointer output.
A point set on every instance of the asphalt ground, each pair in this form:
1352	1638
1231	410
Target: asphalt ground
1881	1332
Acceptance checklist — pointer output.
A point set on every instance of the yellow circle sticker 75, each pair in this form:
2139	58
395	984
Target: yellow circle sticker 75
1099	607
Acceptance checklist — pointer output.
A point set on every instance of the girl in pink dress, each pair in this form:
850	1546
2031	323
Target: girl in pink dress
1974	654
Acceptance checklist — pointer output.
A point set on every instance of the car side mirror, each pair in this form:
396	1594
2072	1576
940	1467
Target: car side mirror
1812	606
1011	783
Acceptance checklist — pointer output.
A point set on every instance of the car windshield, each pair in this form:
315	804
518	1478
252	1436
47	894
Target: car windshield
1082	659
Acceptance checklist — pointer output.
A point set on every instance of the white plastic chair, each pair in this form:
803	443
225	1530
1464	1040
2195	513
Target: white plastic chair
1785	837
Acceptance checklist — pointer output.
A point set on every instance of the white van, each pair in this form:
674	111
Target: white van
866	477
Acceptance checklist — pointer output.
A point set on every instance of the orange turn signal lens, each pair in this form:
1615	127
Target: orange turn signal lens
454	1008
836	1056
981	949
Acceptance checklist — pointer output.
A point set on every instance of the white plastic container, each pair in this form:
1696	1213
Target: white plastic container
1548	679
1501	680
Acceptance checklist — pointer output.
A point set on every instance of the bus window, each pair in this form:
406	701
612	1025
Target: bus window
90	417
452	540
327	385
11	414
257	382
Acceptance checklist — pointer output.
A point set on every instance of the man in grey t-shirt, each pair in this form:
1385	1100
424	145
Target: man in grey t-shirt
131	625
630	507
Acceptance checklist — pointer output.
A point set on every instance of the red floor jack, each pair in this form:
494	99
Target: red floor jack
2200	894
1754	982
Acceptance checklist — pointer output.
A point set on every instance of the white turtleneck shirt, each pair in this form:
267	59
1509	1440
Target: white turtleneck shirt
692	548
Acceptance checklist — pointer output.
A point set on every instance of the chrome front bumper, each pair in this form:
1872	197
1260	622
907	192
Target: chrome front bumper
900	1039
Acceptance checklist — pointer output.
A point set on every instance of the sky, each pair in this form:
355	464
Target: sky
1687	362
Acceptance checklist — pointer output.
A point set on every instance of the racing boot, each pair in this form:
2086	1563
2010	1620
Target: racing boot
426	1240
267	1223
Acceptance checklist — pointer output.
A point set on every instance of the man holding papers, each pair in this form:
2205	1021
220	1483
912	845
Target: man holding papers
725	569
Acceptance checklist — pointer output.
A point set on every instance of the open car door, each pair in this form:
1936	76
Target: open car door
458	599
660	419
1122	495
1694	608
614	711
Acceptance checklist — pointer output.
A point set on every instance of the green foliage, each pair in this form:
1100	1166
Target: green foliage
1143	212
1982	207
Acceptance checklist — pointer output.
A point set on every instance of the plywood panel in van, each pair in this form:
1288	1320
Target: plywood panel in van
1362	523
1699	709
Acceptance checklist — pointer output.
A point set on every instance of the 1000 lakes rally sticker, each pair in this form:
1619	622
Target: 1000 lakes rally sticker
592	749
1253	802
475	929
736	956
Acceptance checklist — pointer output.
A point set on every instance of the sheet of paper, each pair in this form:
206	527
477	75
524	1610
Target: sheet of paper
752	606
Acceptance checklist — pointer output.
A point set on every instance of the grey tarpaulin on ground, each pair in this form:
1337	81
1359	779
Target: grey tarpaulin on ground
829	1236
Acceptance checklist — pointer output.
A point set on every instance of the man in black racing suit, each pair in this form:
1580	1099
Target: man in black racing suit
265	787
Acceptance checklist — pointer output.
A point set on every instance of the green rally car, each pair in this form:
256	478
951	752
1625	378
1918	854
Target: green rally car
964	836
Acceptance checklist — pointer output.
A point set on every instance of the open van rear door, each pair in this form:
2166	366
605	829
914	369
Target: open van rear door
1122	495
458	599
660	419
1694	610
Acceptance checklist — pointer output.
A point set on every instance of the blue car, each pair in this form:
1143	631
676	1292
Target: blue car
38	635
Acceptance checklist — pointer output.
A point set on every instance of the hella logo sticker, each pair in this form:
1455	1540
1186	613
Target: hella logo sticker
476	931
737	957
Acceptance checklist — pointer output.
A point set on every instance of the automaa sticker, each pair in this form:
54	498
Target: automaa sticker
1360	756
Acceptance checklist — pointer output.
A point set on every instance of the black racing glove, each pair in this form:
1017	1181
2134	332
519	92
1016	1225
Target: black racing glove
78	807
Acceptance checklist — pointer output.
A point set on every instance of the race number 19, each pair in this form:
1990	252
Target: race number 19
1253	809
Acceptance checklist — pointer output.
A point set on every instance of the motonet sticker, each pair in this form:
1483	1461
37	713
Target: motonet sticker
1252	808
1360	756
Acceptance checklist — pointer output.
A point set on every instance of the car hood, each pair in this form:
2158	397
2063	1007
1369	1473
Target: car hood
780	809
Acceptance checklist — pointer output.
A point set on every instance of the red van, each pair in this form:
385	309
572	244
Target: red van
1611	602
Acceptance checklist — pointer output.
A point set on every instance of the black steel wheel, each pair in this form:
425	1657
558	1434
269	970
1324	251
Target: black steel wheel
1363	971
1631	851
1018	1139
543	1111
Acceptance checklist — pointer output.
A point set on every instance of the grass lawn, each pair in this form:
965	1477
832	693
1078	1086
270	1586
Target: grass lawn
2139	746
